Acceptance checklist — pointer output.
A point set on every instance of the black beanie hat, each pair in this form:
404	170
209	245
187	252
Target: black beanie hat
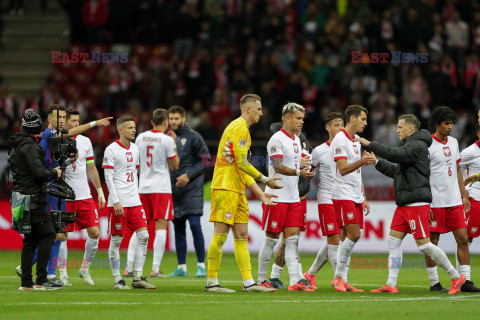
31	122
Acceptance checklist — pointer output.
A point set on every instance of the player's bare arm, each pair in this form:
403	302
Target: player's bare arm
265	197
281	169
344	168
105	122
95	178
463	191
174	162
366	206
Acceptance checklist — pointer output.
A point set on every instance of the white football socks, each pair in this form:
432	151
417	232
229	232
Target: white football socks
276	271
332	255
114	256
394	260
320	260
465	270
440	258
291	258
140	252
264	256
159	249
343	258
91	247
132	245
63	260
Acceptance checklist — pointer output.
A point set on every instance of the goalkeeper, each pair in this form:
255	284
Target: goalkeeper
229	208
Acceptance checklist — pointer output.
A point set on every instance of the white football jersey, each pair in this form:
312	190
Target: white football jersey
155	149
443	173
282	145
349	186
76	173
470	165
322	159
122	164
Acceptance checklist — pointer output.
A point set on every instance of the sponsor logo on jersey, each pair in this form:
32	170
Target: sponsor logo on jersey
338	151
183	141
118	226
330	227
295	147
274	224
350	216
446	151
228	215
129	157
474	229
243	142
355	148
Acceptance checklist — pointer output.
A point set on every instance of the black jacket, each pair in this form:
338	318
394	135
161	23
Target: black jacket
303	184
27	164
194	160
411	175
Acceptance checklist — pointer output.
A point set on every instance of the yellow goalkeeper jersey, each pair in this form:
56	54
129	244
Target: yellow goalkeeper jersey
240	173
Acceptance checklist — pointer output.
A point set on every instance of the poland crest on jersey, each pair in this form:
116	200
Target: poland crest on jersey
355	148
295	147
129	157
446	151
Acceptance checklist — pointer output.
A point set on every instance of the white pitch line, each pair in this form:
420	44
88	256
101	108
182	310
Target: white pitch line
463	298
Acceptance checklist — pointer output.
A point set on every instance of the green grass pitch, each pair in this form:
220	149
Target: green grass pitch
184	298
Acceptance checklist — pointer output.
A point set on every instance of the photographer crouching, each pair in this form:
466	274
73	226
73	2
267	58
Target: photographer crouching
26	160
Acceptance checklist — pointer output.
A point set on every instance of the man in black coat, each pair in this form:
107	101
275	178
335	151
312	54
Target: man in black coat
187	189
411	183
26	160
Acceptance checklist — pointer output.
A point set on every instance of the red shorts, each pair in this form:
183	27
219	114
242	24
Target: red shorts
328	219
304	209
281	216
443	220
348	212
87	214
133	219
157	205
412	220
473	219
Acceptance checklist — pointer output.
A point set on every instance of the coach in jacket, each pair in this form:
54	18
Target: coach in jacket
187	189
411	175
411	183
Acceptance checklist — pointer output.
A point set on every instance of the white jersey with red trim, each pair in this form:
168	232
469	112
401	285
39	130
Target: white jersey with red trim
122	163
470	165
349	186
322	159
444	157
155	149
76	173
289	149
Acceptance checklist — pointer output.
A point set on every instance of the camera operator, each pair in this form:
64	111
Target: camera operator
26	160
56	121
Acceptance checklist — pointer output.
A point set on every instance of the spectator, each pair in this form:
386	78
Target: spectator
94	18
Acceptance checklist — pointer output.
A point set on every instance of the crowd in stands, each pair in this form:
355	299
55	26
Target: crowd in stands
204	55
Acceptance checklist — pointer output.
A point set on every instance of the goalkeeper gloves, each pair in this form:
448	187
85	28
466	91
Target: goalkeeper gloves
228	151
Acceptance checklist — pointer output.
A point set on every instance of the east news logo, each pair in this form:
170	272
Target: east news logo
389	57
92	57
